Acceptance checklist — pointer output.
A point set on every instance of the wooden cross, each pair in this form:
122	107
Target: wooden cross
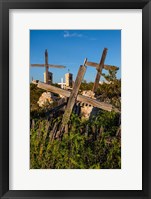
99	70
46	65
99	67
72	99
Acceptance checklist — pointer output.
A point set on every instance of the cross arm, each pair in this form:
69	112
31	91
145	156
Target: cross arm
93	64
106	67
110	67
48	65
37	65
55	66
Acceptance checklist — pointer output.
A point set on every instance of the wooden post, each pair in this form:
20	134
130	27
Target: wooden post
72	98
46	65
100	67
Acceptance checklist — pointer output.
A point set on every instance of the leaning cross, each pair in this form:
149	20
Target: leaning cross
99	69
46	65
72	99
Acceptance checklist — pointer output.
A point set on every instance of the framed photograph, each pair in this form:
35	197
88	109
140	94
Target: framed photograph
75	99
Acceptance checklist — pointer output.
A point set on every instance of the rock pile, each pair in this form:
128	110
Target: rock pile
46	99
89	93
86	109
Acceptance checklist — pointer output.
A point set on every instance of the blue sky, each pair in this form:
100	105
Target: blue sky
70	48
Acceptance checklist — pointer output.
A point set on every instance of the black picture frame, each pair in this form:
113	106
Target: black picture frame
5	5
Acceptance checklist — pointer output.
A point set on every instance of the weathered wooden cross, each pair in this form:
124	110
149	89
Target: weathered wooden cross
99	67
46	65
72	99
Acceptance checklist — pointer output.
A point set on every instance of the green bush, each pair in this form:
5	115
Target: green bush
89	144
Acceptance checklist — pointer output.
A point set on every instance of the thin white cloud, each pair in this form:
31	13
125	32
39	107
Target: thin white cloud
74	34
